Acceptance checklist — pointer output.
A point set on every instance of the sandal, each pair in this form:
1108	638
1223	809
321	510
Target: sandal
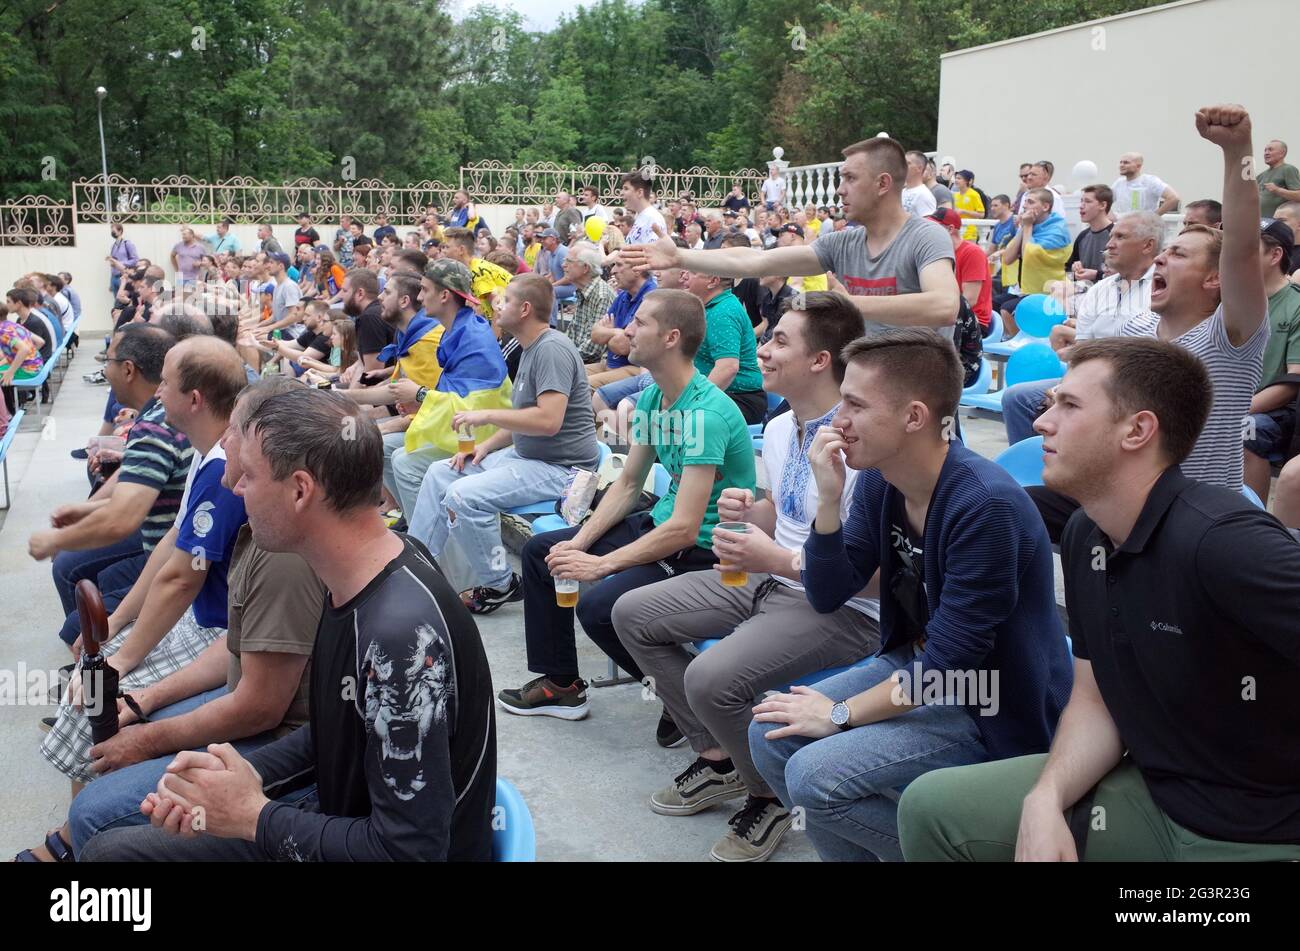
60	850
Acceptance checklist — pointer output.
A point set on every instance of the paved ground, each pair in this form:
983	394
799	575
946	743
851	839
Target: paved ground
586	783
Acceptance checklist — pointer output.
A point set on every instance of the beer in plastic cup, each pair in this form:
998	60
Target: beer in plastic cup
566	592
734	577
465	439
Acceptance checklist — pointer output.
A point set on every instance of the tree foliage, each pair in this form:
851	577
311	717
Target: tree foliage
394	90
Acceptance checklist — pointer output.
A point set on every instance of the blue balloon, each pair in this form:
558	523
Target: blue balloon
1037	314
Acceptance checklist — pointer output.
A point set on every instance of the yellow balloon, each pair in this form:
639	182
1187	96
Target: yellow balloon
595	227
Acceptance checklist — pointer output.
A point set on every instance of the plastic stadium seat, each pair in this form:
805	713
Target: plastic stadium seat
982	382
996	328
1249	493
5	442
1037	314
1033	361
553	523
1024	461
1005	348
547	506
516	839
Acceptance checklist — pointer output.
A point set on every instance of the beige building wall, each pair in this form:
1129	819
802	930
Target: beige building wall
1127	83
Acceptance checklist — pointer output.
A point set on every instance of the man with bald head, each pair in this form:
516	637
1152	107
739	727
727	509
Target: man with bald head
1137	191
1280	182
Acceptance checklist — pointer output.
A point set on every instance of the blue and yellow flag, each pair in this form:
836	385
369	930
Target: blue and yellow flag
473	377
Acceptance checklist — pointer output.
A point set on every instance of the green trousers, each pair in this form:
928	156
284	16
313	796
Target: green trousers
972	814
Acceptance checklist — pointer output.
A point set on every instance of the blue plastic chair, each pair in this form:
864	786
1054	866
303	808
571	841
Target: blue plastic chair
547	506
1033	361
1024	460
1249	493
1037	314
6	441
773	401
982	382
996	328
554	523
516	840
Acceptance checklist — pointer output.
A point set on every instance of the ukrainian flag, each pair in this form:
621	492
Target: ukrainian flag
473	377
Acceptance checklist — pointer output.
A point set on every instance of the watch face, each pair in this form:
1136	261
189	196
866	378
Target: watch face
840	713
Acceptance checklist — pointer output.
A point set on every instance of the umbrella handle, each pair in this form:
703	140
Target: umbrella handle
93	615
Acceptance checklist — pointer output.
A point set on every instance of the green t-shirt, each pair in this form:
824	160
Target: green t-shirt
1284	176
1283	345
730	334
703	427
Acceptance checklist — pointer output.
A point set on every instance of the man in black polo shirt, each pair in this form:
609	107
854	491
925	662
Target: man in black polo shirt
401	741
1182	599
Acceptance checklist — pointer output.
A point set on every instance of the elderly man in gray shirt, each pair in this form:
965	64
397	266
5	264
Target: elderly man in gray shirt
547	434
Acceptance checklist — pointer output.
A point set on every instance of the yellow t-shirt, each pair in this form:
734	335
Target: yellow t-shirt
815	226
530	254
969	200
421	363
817	282
488	278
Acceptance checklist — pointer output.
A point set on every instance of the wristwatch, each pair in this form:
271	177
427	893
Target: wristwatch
840	715
421	393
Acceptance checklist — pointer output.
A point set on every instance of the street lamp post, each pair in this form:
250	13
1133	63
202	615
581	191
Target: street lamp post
100	93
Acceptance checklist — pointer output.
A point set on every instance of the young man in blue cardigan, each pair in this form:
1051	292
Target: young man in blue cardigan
973	663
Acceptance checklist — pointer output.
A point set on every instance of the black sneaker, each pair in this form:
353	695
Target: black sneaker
666	734
545	698
486	600
755	832
96	378
80	454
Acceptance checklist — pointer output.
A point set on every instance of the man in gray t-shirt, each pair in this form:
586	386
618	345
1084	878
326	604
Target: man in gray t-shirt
548	433
891	254
896	270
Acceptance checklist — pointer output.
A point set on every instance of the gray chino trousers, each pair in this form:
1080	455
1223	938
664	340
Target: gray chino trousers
763	648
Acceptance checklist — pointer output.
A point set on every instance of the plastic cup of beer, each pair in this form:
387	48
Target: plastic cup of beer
734	577
566	592
465	439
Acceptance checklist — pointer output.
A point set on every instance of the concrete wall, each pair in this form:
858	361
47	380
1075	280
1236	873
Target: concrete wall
90	272
1126	83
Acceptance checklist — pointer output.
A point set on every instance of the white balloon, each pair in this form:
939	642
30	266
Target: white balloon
1085	171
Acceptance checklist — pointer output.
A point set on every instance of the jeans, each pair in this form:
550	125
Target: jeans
849	784
548	628
114	281
392	443
408	471
466	506
69	567
1020	407
615	393
114	799
114	583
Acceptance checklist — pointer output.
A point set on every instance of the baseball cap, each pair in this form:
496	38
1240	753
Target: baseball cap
550	233
454	276
281	258
947	217
1280	233
788	228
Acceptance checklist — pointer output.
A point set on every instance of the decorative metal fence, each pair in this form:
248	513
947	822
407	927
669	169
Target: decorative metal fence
495	183
178	199
36	221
